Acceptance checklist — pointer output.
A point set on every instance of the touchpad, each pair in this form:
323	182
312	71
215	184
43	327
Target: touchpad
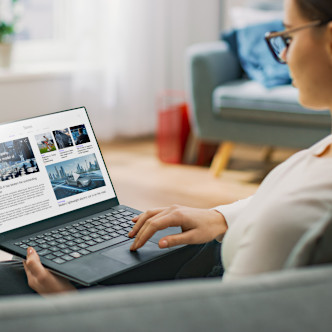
124	255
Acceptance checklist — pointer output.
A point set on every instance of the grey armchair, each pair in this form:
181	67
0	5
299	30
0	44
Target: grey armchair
226	107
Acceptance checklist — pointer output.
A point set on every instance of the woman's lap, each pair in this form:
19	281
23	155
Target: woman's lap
196	261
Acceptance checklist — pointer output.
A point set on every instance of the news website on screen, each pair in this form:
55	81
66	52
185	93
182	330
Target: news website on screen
49	165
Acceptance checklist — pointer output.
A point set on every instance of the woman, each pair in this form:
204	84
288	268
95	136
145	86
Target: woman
258	233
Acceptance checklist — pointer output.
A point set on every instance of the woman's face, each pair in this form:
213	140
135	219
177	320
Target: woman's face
309	58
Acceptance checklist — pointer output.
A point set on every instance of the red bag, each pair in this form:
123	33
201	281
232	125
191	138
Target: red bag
173	126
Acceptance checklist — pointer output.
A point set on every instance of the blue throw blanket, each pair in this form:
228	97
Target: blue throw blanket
255	57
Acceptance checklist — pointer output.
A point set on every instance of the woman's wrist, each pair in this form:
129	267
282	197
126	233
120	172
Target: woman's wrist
222	225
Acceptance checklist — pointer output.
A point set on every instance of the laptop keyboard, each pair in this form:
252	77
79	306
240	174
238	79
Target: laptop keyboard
75	240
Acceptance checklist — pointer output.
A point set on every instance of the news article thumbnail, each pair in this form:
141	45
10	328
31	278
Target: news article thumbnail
80	134
17	159
63	138
75	176
45	143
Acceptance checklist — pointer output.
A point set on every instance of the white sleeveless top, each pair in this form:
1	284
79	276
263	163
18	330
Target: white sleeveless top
264	228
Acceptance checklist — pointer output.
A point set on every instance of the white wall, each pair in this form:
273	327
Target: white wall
31	95
26	93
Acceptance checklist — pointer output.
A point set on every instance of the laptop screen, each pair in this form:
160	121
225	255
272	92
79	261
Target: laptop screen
49	165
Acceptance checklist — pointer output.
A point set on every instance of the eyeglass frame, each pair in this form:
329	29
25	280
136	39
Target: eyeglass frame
283	34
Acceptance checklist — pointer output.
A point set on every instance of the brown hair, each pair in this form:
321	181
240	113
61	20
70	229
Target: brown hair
316	9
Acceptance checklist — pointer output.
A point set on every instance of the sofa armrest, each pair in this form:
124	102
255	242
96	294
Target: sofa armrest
290	300
208	66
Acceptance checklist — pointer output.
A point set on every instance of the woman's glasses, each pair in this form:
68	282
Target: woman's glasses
278	42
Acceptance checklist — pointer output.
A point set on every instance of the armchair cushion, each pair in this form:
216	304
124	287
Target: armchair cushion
247	100
256	60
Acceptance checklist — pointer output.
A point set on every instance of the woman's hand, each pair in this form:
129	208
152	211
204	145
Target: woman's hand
198	226
42	280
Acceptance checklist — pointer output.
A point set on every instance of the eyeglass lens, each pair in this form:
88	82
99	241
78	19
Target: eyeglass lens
278	44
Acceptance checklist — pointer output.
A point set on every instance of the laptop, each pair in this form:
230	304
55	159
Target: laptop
56	195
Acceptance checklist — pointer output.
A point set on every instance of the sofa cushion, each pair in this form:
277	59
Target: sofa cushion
248	100
314	247
255	57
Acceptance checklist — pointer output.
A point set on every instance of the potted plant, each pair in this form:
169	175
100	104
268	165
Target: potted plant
8	23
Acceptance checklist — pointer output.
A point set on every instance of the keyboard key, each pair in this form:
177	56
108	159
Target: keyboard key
90	243
50	256
84	252
126	213
54	248
83	245
58	253
58	260
67	251
67	257
75	254
44	252
109	243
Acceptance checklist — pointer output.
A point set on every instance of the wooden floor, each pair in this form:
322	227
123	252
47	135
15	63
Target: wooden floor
143	182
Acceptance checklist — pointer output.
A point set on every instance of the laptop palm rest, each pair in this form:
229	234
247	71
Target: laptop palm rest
123	255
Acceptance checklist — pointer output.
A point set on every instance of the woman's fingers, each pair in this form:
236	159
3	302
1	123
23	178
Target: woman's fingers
169	241
159	222
141	219
42	280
